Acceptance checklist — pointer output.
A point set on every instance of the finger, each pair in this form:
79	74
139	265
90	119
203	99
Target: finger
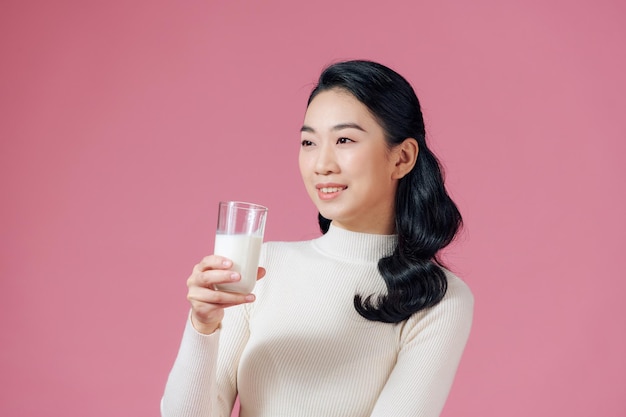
260	273
221	299
211	277
213	262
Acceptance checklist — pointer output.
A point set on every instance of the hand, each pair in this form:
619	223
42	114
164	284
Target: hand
207	303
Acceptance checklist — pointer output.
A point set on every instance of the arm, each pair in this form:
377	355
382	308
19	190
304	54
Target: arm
202	381
432	343
190	388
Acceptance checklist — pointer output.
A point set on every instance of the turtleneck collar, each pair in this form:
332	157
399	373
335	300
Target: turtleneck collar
355	246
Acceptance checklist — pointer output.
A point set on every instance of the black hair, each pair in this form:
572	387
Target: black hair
426	218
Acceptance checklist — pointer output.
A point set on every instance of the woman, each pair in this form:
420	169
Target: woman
362	321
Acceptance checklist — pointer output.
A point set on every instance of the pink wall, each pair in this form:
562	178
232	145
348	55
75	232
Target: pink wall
124	122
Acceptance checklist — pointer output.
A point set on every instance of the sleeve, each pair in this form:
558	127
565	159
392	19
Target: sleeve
432	343
202	382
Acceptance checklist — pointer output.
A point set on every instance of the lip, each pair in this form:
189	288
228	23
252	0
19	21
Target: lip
340	188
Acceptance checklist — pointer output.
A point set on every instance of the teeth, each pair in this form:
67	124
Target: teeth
331	189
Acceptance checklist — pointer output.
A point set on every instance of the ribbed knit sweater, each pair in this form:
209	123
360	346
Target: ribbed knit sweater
302	350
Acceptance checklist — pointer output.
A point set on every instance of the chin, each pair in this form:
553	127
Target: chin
332	211
325	214
332	216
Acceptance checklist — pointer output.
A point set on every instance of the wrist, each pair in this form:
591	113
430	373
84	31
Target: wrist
204	328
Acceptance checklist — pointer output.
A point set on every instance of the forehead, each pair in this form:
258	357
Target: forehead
336	106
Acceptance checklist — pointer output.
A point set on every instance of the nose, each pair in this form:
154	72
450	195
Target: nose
326	162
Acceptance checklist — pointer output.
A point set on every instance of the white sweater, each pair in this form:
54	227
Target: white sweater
302	350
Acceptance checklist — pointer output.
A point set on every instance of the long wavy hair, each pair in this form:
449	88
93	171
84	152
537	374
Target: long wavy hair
426	218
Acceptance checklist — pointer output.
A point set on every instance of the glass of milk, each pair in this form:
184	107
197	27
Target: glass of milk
240	228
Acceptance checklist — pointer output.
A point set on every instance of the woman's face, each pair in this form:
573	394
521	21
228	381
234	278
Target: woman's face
346	165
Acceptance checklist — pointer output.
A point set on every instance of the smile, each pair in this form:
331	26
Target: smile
326	190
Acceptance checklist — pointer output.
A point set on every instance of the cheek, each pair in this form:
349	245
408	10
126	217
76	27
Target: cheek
300	163
354	163
362	164
379	172
303	165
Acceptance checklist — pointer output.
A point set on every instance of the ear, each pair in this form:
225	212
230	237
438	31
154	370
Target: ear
405	155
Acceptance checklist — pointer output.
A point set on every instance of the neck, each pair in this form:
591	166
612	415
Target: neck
356	246
376	228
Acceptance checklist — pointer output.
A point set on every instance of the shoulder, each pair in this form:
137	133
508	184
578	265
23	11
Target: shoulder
459	293
450	318
458	303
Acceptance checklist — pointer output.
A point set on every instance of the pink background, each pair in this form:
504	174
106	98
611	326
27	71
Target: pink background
123	123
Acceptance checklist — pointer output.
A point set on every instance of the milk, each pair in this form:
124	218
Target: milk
244	251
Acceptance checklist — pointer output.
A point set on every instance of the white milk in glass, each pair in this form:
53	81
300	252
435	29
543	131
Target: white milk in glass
244	251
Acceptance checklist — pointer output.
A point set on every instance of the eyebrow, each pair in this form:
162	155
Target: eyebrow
340	126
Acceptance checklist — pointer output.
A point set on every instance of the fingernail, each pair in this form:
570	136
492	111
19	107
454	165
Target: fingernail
234	276
226	263
250	297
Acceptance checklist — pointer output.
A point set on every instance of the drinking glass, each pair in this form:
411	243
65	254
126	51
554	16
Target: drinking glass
239	236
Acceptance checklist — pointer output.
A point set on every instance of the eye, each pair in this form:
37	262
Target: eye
306	143
341	141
